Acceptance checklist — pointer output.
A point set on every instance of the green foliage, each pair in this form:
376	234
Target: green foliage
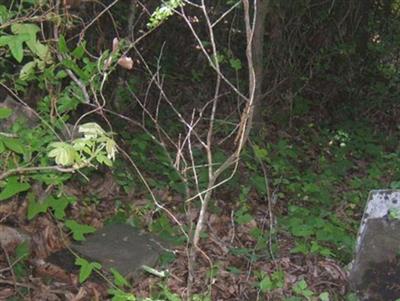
301	288
12	187
20	258
5	113
119	280
78	230
394	214
268	283
163	12
317	178
119	295
305	224
57	204
96	144
86	268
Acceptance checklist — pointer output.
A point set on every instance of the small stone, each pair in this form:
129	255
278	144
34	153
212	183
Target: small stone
10	238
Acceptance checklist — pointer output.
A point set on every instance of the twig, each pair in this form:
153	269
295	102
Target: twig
22	170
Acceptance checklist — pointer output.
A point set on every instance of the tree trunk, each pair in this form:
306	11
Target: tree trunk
258	59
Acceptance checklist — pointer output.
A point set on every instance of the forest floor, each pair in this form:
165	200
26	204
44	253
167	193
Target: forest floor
292	241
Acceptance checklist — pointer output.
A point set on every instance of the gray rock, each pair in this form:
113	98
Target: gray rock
122	247
23	113
378	247
19	112
12	237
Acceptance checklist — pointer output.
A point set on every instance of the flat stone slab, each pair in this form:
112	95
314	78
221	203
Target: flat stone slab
122	247
375	274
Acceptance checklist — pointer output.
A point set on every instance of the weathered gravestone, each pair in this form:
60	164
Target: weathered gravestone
375	274
122	247
119	246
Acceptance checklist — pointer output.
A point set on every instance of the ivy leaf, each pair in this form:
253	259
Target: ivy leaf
63	153
59	205
79	230
5	113
119	280
12	188
86	268
15	43
34	45
25	28
36	207
13	144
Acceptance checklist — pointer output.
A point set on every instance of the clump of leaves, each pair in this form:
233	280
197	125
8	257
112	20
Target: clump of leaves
163	12
95	144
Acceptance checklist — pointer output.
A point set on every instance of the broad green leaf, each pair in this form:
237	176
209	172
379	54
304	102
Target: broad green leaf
91	130
79	230
27	70
42	51
119	280
13	144
236	64
266	284
302	231
29	32
261	153
75	68
258	182
5	113
4	14
62	45
61	74
79	51
102	159
22	251
59	205
12	188
324	296
244	219
25	28
86	268
63	153
15	43
36	207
